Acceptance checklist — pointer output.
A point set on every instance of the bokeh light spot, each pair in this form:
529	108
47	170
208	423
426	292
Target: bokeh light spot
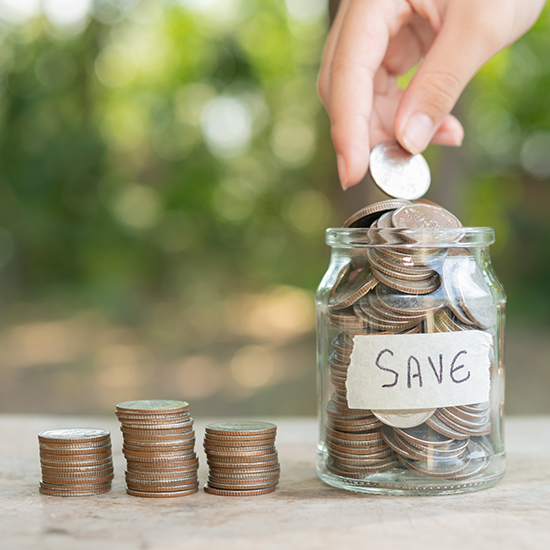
121	366
19	11
309	211
253	366
307	11
535	154
137	206
115	66
66	13
227	126
293	141
198	377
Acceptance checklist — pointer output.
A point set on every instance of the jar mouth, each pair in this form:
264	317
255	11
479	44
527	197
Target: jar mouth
461	237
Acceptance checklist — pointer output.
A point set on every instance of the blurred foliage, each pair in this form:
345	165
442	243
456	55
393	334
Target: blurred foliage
161	151
166	177
508	154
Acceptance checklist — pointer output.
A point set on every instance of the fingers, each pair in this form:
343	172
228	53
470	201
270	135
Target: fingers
450	132
464	44
404	52
324	74
358	53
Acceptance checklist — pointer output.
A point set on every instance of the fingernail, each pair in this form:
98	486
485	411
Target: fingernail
342	171
418	132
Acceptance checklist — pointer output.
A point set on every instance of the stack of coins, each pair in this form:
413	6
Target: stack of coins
399	286
159	446
354	442
242	458
75	462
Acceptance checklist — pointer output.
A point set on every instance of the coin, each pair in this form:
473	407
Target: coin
423	286
366	216
154	494
397	172
436	220
152	405
76	474
75	493
354	283
443	428
237	493
475	294
269	475
361	473
74	435
72	481
404	418
63	488
425	436
241	427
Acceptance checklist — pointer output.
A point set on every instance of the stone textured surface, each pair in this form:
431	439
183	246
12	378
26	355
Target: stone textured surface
302	513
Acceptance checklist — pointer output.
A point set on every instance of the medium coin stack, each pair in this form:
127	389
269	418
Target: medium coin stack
397	285
75	462
242	458
159	446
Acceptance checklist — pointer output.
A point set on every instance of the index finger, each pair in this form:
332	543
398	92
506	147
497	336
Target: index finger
359	52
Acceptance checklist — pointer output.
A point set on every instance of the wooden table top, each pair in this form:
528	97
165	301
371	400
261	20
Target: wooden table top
302	513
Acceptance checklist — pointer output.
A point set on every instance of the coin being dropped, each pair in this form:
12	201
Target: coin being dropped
398	173
404	418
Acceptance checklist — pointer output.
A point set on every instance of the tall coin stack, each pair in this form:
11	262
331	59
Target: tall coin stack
242	458
159	446
75	462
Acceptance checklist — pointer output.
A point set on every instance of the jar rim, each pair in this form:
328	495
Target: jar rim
351	237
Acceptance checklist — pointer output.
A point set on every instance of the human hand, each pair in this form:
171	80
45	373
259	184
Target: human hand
373	41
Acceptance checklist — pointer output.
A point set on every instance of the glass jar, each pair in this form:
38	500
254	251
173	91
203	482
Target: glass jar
410	362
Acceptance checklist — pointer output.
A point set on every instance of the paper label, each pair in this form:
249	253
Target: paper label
419	371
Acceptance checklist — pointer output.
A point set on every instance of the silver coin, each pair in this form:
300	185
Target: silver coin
475	293
242	426
450	277
353	282
74	433
404	418
435	224
424	436
150	405
409	304
432	454
398	173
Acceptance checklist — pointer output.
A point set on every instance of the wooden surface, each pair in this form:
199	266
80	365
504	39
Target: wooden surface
302	513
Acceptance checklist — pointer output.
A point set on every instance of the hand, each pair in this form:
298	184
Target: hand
373	41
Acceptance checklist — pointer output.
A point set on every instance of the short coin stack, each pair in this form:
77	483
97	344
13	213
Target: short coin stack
75	462
159	446
242	458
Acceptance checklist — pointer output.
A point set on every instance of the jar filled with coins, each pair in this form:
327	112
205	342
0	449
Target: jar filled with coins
410	353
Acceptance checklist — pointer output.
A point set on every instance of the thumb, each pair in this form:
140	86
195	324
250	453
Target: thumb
463	45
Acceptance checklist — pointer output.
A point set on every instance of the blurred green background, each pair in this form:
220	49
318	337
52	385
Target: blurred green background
166	177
